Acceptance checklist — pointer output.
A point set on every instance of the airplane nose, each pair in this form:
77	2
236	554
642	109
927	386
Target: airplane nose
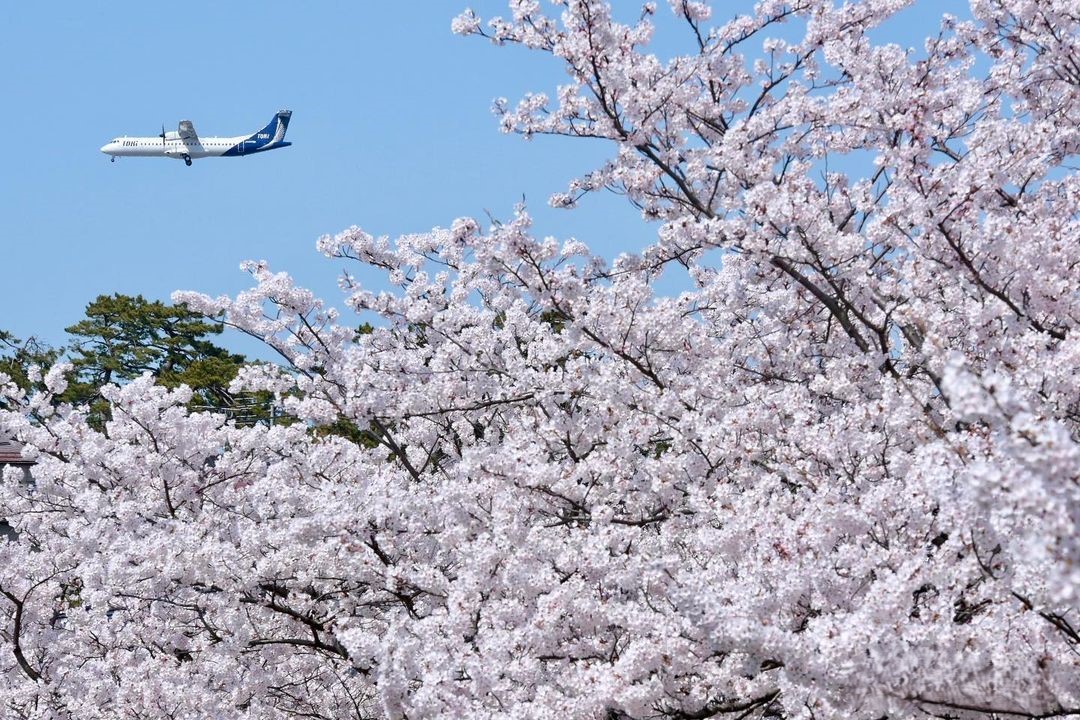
106	147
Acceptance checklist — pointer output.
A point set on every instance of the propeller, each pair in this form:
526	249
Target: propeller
162	135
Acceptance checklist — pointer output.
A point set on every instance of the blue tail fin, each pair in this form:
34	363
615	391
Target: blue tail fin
273	134
270	137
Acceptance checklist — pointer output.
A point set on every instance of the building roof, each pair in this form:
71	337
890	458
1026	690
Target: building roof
11	452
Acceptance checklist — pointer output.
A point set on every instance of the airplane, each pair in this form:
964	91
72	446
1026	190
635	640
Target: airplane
186	145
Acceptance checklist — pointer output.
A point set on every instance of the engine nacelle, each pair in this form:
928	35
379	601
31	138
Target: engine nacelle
172	135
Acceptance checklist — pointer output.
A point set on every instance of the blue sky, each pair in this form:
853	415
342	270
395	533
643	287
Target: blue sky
392	131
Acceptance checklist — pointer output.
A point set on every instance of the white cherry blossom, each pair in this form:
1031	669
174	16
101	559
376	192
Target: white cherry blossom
837	477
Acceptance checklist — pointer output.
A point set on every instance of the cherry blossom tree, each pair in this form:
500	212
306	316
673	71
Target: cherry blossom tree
837	477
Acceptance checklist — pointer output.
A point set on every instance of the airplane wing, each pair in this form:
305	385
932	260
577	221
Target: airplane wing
187	130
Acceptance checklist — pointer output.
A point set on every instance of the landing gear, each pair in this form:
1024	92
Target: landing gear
187	160
112	159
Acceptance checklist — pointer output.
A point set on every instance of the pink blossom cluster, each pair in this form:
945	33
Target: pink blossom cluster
837	477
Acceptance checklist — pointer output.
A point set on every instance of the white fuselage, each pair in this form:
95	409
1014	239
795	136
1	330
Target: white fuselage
172	147
185	144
